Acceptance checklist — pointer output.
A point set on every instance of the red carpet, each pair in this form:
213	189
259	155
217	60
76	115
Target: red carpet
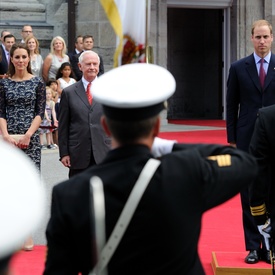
29	263
221	232
204	136
214	123
221	226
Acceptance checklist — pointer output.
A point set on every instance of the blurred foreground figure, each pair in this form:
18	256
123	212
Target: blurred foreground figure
22	201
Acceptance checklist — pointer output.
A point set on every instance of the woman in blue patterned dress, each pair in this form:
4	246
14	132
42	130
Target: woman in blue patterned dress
22	104
22	107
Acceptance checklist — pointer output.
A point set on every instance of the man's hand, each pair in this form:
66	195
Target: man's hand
66	161
162	147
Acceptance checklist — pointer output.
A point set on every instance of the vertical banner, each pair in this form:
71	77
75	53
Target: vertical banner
128	19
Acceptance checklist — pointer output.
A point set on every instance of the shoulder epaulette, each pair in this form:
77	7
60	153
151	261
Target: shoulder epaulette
222	160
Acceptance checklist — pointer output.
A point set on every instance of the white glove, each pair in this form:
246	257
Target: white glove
263	228
162	147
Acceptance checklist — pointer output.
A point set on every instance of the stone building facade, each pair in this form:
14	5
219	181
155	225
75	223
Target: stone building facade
195	40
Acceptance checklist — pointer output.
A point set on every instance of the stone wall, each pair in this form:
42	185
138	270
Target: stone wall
50	18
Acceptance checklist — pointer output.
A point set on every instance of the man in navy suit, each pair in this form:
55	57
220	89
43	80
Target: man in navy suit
88	44
245	95
8	41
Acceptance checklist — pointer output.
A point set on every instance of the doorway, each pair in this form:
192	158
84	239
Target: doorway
195	59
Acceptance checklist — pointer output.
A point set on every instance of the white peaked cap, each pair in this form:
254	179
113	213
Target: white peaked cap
22	198
134	91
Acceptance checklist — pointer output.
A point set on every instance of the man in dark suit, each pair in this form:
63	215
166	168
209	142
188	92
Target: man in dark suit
162	236
78	47
82	141
8	41
245	95
262	190
88	44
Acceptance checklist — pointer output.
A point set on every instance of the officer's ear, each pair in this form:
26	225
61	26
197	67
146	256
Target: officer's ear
156	128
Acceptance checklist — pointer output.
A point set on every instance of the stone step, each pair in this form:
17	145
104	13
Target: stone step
29	11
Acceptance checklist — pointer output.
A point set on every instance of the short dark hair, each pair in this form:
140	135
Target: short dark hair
75	41
26	26
2	32
51	80
9	36
128	132
87	36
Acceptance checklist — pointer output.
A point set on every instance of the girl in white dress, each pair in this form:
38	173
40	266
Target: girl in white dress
65	77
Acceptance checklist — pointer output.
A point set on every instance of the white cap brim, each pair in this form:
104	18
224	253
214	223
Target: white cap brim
134	85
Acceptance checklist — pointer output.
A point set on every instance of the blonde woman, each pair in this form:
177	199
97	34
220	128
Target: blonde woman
36	59
55	58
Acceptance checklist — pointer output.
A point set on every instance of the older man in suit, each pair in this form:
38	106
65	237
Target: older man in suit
82	141
251	85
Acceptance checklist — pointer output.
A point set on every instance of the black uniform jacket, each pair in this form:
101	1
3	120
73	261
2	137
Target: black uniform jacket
262	191
163	235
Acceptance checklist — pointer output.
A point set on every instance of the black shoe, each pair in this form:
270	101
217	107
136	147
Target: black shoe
265	256
252	257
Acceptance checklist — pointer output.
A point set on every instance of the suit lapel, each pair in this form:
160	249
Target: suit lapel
270	71
80	91
252	71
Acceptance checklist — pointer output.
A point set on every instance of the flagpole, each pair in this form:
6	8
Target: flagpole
148	49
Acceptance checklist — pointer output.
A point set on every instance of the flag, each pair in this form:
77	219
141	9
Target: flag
128	19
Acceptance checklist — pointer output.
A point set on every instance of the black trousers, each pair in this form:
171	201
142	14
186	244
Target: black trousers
253	238
74	172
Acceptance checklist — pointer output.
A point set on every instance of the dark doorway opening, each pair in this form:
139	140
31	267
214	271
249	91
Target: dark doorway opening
195	60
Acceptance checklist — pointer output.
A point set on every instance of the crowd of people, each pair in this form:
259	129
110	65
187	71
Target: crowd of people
30	94
106	130
58	70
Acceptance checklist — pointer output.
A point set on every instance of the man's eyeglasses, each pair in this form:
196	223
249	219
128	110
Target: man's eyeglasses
28	31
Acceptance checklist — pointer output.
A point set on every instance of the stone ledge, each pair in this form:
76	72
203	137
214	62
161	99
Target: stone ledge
22	7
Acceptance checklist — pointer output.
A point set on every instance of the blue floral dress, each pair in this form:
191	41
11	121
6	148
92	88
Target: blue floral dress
20	103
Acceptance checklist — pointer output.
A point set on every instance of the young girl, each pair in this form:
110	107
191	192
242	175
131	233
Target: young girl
49	114
65	77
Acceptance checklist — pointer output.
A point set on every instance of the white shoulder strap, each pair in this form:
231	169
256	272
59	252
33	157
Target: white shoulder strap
125	217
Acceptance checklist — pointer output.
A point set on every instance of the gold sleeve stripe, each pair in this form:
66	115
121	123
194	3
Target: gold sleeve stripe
222	160
258	210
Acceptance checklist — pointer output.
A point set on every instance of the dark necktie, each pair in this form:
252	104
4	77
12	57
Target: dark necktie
89	96
262	73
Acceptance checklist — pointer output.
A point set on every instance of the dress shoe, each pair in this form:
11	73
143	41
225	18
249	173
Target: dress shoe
265	256
252	257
